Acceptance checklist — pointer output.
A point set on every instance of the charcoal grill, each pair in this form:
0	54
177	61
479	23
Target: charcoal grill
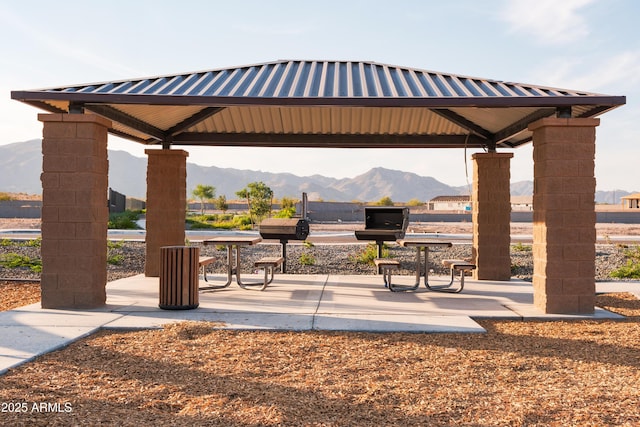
384	224
284	229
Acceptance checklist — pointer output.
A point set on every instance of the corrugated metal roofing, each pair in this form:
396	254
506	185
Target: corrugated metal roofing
249	105
320	79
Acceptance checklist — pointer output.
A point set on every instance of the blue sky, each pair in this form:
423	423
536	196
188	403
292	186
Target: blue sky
587	45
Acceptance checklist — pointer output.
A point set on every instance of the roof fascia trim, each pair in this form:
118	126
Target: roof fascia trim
486	102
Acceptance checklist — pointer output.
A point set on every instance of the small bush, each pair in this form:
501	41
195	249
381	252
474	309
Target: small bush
6	242
114	244
13	260
33	243
115	259
631	270
286	213
519	247
219	221
369	253
124	221
307	259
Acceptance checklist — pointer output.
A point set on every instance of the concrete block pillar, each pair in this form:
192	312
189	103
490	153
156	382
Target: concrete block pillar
74	210
491	204
166	204
564	219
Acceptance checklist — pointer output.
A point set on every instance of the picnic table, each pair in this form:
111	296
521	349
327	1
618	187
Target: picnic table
422	269
233	244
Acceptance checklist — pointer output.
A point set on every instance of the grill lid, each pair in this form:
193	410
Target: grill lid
284	228
384	223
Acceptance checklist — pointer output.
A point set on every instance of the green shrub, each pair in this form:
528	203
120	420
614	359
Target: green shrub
369	253
197	224
631	270
286	212
519	247
6	242
13	260
219	221
34	243
633	253
124	221
114	244
307	259
115	259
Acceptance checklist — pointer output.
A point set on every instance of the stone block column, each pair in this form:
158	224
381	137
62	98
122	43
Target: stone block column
74	210
166	204
491	215
564	218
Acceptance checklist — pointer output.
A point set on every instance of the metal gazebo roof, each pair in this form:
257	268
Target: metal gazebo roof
299	103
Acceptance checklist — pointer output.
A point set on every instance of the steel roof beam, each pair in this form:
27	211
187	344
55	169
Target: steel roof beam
521	125
195	119
328	140
127	120
463	122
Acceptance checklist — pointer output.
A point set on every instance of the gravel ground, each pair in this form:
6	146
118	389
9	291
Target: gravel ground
320	259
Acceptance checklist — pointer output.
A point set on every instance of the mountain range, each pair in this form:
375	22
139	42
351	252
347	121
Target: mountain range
21	165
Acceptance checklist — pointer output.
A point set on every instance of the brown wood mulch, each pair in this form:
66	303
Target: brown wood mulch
533	373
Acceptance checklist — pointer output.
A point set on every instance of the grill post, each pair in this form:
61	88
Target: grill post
283	243
379	244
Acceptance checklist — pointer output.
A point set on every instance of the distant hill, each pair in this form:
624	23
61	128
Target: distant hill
21	165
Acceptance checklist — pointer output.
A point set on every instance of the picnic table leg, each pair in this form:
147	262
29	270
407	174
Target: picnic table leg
229	274
426	266
418	266
254	285
447	287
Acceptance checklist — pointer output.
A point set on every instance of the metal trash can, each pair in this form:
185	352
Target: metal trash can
179	277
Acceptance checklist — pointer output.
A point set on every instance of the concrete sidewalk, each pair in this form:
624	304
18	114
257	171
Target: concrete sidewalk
292	302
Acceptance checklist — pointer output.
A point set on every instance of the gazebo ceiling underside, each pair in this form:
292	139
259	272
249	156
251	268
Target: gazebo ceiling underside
321	104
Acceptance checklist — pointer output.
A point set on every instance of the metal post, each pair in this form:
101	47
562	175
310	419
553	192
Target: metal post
283	243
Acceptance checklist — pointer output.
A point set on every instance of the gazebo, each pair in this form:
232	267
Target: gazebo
299	103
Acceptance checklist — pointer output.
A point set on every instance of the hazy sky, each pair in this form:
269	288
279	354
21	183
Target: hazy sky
586	45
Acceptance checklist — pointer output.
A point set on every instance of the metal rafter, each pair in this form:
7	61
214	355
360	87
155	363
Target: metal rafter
195	119
463	122
328	140
521	125
127	120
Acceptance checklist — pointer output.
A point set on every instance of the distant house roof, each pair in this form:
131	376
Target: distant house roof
632	196
458	199
309	103
521	200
